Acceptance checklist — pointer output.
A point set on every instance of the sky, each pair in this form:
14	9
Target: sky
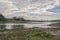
31	9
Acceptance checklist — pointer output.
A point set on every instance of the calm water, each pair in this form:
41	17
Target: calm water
30	25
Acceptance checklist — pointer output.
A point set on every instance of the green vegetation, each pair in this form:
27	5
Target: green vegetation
21	33
16	20
2	27
12	20
2	18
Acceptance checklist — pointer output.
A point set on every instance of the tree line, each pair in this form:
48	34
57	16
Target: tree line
15	19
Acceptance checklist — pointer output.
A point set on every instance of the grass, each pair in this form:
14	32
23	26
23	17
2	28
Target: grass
27	34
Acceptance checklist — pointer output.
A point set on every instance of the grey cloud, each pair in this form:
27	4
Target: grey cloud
18	5
3	7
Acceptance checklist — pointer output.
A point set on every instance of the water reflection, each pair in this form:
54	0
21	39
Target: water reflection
27	25
9	27
15	26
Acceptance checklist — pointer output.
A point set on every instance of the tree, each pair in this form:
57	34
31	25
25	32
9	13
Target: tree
18	19
2	18
22	19
14	18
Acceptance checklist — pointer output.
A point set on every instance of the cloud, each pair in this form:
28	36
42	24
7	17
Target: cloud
6	7
26	7
39	8
41	18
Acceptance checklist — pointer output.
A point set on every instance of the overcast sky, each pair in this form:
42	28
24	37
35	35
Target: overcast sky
31	9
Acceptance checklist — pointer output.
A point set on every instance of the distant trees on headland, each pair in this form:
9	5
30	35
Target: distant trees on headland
14	19
2	18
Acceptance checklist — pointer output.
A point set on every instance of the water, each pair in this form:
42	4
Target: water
30	25
11	26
